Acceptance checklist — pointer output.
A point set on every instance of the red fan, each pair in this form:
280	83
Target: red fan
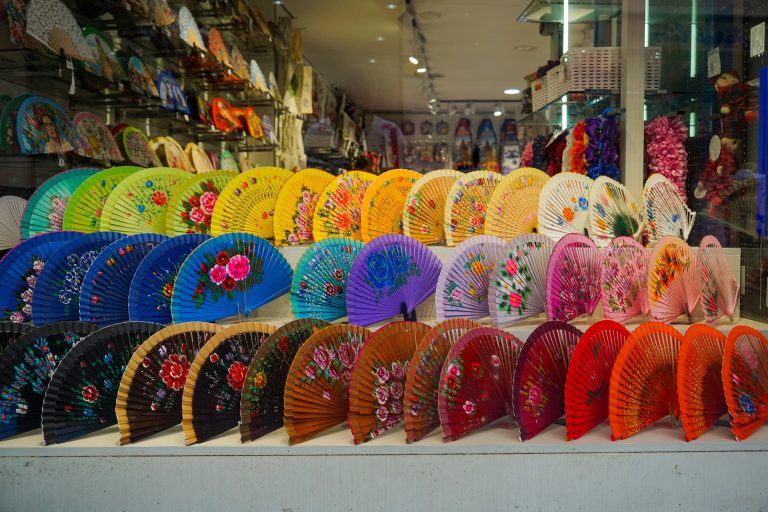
589	375
476	381
745	379
223	116
540	374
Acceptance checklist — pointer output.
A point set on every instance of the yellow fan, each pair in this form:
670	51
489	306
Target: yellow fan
338	210
296	205
198	158
382	208
514	206
466	205
190	208
424	211
170	153
247	203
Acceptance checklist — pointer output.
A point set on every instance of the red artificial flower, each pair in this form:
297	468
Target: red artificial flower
174	371
283	344
236	375
229	284
222	258
194	201
90	393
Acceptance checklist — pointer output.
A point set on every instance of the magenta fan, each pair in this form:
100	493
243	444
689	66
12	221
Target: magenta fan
624	274
717	286
573	278
672	280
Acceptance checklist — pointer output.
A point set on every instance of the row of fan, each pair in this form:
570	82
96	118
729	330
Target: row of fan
309	376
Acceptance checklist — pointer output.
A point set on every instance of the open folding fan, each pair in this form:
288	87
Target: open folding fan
589	376
9	142
107	65
43	127
319	288
665	211
198	158
171	95
239	64
376	387
476	381
423	376
624	279
718	289
149	396
466	205
217	47
247	203
564	205
514	206
160	13
745	380
228	161
391	275
573	278
296	204
138	204
81	396
256	76
338	210
642	388
10	332
190	208
232	274
140	78
11	213
52	24
424	211
172	154
210	404
382	206
700	379
462	288
84	208
135	147
153	282
106	286
26	367
613	212
46	205
99	142
224	117
316	389
188	29
57	292
672	283
262	402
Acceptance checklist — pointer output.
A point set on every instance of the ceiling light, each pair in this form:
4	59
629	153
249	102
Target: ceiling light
430	15
380	38
421	70
372	61
433	100
524	48
391	7
413	60
512	91
498	110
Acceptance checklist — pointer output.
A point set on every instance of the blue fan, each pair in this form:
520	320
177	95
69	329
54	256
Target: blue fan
232	274
171	95
152	285
104	296
57	294
20	270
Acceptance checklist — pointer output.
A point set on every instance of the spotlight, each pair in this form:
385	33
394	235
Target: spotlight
421	70
498	110
413	60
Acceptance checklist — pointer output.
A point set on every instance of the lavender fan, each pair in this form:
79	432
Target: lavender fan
573	278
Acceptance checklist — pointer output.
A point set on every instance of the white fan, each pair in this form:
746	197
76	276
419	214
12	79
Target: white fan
665	212
613	212
718	288
11	211
51	23
564	205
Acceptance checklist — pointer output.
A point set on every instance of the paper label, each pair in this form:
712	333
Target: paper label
713	62
757	40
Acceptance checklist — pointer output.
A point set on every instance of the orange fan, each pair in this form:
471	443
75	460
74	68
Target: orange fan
318	381
745	380
376	388
338	210
423	378
466	205
642	388
382	208
424	212
700	380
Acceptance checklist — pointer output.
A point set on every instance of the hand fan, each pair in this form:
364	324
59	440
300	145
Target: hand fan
160	13
466	205
514	206
12	210
316	388
573	278
223	117
462	145
43	127
201	109
589	375
613	212
624	279
239	65
210	404
254	126
135	146
138	203
247	203
665	211
10	332
149	396
391	275
424	212
52	24
376	386
232	274
171	153
700	380
198	158
540	375
46	205
188	29
745	380
107	65
191	205
338	210
217	47
296	204
99	142
20	270
462	288
140	78
383	202
319	285
81	396
672	280
104	294
9	142
85	206
262	402
564	205
153	282
171	96
476	381
257	77
718	288
26	367
517	287
57	292
228	161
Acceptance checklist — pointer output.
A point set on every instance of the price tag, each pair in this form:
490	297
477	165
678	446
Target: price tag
757	40
70	65
120	87
713	62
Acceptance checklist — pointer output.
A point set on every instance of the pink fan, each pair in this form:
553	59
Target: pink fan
672	280
624	279
719	290
573	278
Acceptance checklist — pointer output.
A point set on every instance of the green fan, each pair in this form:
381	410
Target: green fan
138	203
84	210
45	209
191	207
9	143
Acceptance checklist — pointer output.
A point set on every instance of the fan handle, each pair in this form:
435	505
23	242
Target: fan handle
407	317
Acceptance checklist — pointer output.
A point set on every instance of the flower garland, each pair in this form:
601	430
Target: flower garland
578	164
539	154
554	154
526	159
717	179
665	150
602	152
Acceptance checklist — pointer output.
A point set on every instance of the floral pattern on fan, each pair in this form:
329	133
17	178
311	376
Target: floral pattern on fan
578	204
474	268
516	279
348	196
303	217
227	271
477	208
580	284
334	365
386	279
23	311
667	268
73	279
624	272
56	212
136	147
198	208
456	375
388	392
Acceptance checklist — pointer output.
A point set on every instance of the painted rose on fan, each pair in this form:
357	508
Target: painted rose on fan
23	312
226	272
90	394
198	208
174	371
236	375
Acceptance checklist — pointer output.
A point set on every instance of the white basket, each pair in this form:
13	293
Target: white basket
593	68
653	68
557	83
539	93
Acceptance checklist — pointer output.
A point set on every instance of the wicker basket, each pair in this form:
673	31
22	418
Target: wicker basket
593	68
557	83
653	68
539	93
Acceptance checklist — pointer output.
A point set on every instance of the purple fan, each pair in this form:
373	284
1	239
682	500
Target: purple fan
392	274
573	278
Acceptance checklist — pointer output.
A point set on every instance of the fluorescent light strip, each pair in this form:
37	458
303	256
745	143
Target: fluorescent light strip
694	36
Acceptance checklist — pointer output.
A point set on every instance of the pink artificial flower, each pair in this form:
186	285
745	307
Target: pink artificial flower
218	274
238	267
